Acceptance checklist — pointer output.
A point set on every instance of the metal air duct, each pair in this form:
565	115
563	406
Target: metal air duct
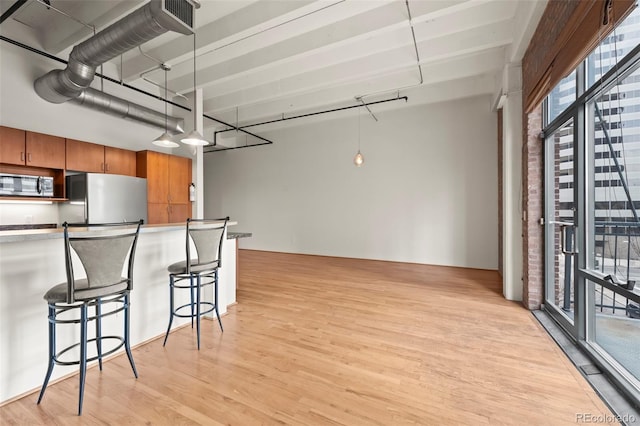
112	105
151	20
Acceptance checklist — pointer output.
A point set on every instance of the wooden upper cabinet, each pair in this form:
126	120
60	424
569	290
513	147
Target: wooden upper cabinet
85	156
154	166
120	161
26	148
12	146
94	158
179	179
45	151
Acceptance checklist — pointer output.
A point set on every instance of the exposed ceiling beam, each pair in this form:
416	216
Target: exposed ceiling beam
234	26
262	103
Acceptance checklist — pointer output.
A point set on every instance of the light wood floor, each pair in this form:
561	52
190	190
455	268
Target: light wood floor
318	340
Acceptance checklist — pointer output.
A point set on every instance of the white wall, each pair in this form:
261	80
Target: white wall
426	194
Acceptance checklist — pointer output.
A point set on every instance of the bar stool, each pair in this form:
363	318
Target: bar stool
103	254
207	236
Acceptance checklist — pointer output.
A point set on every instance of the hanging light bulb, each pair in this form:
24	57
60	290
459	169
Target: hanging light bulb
358	160
194	137
164	140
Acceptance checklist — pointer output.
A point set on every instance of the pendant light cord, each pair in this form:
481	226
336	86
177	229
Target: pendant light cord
194	81
166	125
359	109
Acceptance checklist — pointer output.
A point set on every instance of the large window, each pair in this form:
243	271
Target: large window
592	204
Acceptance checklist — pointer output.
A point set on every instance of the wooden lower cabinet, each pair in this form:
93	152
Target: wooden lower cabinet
179	212
157	213
167	213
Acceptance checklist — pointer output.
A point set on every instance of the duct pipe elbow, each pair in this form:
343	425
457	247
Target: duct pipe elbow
50	88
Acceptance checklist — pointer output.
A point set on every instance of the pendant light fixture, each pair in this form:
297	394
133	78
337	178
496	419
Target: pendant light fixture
164	140
358	160
194	137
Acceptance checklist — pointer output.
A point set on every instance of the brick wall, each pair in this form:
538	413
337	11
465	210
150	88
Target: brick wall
533	208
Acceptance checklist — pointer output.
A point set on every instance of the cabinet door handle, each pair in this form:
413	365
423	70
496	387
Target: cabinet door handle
29	157
102	167
21	155
106	167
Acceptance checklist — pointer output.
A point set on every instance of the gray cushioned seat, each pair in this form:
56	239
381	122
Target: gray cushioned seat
58	293
181	267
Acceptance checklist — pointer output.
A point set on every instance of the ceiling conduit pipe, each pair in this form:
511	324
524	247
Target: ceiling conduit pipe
311	114
140	26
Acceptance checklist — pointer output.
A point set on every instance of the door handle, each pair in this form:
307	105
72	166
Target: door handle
22	156
568	240
28	157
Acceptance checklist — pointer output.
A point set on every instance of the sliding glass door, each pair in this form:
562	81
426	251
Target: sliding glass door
592	205
560	227
613	235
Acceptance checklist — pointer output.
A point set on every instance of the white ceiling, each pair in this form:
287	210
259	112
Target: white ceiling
262	60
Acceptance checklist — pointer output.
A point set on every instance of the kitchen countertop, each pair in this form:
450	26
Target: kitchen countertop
28	226
236	235
47	234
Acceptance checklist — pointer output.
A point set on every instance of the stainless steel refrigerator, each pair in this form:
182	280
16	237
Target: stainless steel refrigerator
104	198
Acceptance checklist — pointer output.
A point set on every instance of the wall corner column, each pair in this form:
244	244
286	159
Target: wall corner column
512	255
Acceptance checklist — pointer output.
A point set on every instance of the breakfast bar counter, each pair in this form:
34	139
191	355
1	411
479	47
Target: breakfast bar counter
32	261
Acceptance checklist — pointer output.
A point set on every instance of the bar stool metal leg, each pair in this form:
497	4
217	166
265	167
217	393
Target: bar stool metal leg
127	326
52	350
171	302
99	332
83	353
198	294
191	293
215	298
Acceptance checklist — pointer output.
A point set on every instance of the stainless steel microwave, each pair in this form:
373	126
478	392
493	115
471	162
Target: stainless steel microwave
25	185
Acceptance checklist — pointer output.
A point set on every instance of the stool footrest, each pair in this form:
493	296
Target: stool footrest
94	358
210	308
